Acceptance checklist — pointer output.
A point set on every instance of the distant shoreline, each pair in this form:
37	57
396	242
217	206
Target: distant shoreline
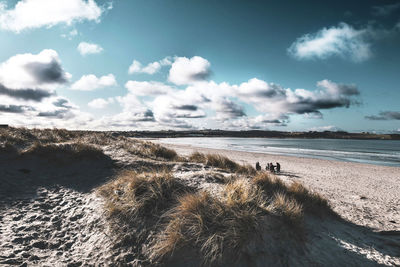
376	152
260	134
246	134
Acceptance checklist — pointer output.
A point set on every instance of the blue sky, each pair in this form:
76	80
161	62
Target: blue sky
179	64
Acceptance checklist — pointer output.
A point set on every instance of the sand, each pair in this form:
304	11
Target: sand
50	214
365	194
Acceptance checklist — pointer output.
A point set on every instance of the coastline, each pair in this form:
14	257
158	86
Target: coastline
365	194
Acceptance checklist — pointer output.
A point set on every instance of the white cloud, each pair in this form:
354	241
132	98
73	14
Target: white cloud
28	14
88	48
70	34
92	82
40	71
100	103
274	99
147	88
151	68
189	70
325	128
343	41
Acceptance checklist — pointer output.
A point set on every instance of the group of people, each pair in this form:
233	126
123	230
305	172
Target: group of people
270	167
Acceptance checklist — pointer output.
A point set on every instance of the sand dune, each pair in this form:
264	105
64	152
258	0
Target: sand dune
52	214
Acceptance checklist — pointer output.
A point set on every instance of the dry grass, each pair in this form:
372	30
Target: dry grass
311	201
197	157
216	228
288	208
74	150
150	150
132	196
222	162
270	184
25	137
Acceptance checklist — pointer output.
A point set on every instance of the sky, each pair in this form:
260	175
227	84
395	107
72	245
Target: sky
201	64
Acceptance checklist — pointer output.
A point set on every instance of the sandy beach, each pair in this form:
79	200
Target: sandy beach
84	199
365	194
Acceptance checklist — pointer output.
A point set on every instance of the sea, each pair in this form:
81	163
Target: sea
379	152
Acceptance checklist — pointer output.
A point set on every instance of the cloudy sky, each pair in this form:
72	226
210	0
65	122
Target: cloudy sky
200	64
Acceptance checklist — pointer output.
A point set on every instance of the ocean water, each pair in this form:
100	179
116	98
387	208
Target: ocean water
380	152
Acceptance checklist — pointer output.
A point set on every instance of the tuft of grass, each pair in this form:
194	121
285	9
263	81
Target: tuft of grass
216	228
152	150
75	150
197	157
135	195
222	162
269	183
312	201
245	169
288	208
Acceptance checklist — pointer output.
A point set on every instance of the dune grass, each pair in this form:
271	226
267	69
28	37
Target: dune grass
288	208
222	162
134	194
216	228
312	201
74	150
148	149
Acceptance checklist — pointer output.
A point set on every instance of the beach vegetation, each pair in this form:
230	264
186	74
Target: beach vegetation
217	228
222	162
73	150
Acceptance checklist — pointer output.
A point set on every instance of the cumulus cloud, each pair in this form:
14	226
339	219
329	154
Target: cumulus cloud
343	41
275	99
32	77
260	122
385	115
29	14
43	71
100	103
151	68
189	70
92	82
14	108
28	86
227	109
25	94
180	106
85	48
148	88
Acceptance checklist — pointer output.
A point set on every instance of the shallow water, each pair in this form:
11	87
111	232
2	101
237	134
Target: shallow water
380	152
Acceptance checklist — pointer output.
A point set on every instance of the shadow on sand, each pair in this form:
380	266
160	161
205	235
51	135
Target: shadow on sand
22	175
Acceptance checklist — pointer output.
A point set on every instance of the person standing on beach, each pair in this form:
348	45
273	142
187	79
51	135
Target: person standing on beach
271	167
278	167
258	166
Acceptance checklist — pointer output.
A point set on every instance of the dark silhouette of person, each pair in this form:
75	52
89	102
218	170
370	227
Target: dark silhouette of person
278	167
271	167
267	167
258	167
